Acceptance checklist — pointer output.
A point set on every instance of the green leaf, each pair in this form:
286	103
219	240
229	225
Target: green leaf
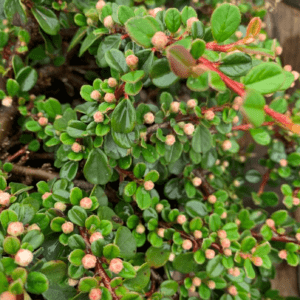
294	159
47	19
202	139
184	263
76	129
126	242
172	19
34	237
224	21
54	270
261	136
143	198
253	107
142	29
27	78
215	267
269	199
249	268
195	208
214	222
198	84
161	74
87	283
11	7
141	279
198	47
253	176
11	245
133	89
123	118
97	161
187	13
236	64
37	283
116	60
52	107
169	287
134	76
158	257
12	87
80	33
77	215
248	243
125	13
88	41
215	81
109	42
265	78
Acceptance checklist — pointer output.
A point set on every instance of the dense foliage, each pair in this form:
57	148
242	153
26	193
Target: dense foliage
145	194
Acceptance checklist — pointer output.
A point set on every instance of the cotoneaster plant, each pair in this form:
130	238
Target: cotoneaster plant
145	198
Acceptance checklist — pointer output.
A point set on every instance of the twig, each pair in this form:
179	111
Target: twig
17	154
264	182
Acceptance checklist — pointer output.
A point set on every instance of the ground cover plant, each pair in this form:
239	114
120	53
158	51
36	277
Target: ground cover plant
137	112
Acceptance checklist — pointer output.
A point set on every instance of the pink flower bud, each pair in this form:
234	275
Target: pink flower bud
67	227
76	147
239	34
95	294
298	236
108	22
154	11
257	261
174	106
60	205
140	229
72	282
225	243
109	97
95	95
15	228
190	22
33	227
46	195
148	185
296	74
149	118
196	281
230	271
188	129
262	37
209	115
7	101
96	236
283	162
224	215
43	121
100	4
8	296
211	284
222	234
4	198
292	85
159	40
170	139
58	117
282	254
196	181
187	245
89	261
192	103
211	176
112	82
226	145
161	232
278	50
227	252
296	201
181	219
132	60
270	223
116	265
237	222
235	119
23	257
159	207
4	22
212	199
288	68
236	272
236	183
192	289
171	256
86	203
232	290
198	234
235	107
209	254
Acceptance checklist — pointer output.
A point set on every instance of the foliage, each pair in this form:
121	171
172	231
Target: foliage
146	187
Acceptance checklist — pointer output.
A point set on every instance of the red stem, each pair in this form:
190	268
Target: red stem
17	154
225	48
277	116
245	127
264	182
